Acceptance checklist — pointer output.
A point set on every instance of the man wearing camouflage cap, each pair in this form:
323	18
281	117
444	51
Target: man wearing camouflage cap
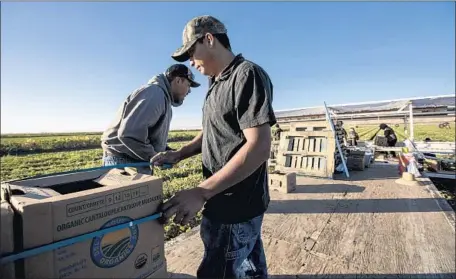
235	144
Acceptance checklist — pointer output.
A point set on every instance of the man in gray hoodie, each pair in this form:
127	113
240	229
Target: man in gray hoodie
140	128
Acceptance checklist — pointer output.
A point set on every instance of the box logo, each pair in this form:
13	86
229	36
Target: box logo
141	261
113	248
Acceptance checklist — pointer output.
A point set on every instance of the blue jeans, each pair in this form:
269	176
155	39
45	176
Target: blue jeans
109	160
232	250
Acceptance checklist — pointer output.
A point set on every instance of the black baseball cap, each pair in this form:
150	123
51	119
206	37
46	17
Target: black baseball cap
180	70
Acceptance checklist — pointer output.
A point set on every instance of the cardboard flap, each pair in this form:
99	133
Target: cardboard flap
118	177
28	195
59	179
7	214
5	192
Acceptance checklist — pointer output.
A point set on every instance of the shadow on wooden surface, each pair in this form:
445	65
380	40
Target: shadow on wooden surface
361	175
328	188
367	276
345	276
374	172
314	206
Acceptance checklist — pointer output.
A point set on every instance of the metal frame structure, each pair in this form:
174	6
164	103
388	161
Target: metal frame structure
400	111
405	111
376	110
374	102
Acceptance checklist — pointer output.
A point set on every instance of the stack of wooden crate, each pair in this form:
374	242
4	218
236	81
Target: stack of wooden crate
307	148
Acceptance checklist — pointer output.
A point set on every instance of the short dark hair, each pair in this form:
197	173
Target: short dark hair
222	38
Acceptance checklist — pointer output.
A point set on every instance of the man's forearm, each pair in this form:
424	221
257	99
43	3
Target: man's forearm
241	165
191	149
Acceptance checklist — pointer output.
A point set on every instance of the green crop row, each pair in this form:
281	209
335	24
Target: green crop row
47	135
30	145
184	175
421	132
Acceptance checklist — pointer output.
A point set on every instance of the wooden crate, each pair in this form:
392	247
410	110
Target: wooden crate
308	153
282	182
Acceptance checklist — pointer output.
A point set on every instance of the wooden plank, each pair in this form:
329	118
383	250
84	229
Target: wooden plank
301	146
312	144
301	153
407	235
306	146
325	134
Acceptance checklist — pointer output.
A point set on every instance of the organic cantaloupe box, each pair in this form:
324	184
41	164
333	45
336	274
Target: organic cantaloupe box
59	207
7	238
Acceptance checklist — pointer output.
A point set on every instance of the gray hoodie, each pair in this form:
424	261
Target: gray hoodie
140	128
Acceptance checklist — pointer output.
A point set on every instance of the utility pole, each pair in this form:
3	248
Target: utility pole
411	135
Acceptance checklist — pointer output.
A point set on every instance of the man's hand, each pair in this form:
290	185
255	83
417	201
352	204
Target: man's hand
185	204
168	157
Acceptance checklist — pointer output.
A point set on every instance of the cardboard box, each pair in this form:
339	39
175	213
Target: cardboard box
282	182
356	162
160	273
60	207
7	239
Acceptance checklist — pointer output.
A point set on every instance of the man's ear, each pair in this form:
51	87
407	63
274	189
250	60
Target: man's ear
210	39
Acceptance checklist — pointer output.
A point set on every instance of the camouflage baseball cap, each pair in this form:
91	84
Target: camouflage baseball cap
194	30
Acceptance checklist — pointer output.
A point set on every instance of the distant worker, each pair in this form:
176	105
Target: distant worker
276	130
390	136
275	136
427	154
343	132
353	137
140	128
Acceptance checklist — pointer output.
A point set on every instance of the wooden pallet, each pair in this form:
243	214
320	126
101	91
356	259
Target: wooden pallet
308	153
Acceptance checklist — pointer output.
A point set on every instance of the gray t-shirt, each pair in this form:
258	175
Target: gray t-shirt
241	98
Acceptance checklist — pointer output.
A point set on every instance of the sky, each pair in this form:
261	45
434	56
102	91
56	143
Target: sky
67	67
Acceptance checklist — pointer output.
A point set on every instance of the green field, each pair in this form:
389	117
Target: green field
421	132
32	144
186	174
